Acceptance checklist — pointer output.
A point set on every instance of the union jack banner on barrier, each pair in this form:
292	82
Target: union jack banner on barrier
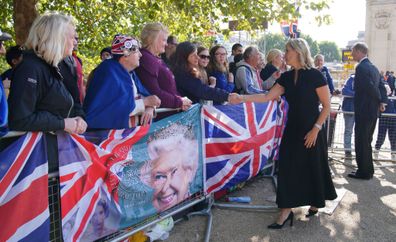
239	140
24	213
86	174
113	179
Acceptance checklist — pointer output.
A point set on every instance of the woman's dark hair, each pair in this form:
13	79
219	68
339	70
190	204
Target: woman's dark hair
183	50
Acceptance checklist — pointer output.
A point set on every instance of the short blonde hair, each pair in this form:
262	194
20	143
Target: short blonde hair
47	36
304	54
150	33
272	54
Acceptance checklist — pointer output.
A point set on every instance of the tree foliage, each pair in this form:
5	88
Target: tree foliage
278	41
330	51
99	20
272	41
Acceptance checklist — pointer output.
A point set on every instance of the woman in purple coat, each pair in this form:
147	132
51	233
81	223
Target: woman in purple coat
154	73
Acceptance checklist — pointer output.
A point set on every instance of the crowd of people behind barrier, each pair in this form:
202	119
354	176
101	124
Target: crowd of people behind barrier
133	81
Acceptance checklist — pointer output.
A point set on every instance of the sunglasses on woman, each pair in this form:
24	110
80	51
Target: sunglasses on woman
204	56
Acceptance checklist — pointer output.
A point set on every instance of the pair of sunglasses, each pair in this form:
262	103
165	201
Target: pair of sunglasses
204	56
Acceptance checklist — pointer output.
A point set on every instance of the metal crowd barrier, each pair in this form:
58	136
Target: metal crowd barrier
55	206
336	133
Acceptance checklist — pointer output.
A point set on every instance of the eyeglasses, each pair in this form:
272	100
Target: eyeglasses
132	50
221	54
204	56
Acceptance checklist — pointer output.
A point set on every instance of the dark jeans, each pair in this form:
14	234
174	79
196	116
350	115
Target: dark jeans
386	125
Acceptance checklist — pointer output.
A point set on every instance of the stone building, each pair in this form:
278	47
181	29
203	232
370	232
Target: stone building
380	34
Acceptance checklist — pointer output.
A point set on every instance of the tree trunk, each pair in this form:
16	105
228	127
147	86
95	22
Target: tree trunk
25	13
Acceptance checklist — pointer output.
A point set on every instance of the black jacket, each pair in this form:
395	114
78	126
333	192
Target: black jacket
38	100
195	90
68	71
369	90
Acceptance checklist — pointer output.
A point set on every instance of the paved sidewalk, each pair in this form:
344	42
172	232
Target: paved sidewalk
366	213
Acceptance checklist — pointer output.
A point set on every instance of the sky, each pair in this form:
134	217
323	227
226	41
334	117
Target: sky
348	18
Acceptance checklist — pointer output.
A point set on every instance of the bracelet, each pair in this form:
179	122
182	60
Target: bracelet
318	126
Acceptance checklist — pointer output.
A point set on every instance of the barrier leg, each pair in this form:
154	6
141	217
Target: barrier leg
262	208
205	212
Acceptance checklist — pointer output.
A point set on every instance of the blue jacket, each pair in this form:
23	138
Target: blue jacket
195	90
390	107
3	110
222	82
348	90
110	99
329	79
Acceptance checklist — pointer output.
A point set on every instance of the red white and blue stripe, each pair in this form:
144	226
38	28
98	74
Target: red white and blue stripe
238	143
88	175
24	214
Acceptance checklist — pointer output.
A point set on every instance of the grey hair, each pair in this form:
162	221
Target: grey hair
361	46
318	56
304	54
249	51
47	36
175	137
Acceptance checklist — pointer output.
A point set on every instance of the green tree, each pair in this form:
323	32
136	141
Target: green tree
330	51
99	20
313	44
272	41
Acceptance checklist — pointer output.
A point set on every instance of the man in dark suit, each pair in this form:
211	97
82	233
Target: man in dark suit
370	98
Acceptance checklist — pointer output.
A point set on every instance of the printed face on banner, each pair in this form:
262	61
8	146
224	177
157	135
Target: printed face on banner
166	178
166	170
99	226
171	171
128	175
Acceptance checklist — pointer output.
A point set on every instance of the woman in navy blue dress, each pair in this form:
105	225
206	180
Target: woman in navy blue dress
304	175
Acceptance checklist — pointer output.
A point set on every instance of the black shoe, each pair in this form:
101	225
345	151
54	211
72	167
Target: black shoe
279	226
358	176
311	213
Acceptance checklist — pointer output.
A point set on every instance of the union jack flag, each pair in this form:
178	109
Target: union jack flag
24	214
239	141
87	174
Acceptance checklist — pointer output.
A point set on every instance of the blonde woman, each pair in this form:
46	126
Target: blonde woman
272	69
39	101
304	175
154	73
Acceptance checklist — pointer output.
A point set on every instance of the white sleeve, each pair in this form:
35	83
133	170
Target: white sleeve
139	107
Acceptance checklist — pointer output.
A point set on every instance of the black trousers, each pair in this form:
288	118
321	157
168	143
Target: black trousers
364	130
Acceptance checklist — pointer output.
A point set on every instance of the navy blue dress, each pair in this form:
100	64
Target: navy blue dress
304	175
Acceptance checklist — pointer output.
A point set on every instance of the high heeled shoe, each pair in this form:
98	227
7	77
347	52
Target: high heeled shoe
279	226
311	213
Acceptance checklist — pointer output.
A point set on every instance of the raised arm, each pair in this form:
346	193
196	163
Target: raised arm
275	92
